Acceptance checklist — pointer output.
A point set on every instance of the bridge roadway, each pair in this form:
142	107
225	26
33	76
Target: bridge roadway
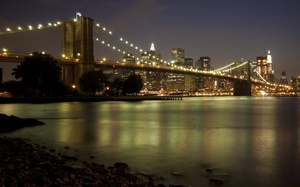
19	57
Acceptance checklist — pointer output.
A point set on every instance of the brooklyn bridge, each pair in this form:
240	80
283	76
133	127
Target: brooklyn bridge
77	56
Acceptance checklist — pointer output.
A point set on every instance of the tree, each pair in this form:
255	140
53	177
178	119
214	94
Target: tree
92	81
133	84
115	87
15	88
39	74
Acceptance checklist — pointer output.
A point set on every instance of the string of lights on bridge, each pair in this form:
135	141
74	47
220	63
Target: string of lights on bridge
9	30
116	43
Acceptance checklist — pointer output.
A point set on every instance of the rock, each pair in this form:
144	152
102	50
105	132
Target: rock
177	174
121	165
217	182
12	123
92	156
52	150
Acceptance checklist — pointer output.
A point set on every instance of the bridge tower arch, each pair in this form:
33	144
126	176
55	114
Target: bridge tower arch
77	43
243	87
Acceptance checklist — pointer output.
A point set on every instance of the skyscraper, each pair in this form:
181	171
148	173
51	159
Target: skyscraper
263	66
203	63
283	79
178	56
175	81
154	80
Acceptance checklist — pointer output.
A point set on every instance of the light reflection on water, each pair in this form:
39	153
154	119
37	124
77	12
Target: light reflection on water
249	141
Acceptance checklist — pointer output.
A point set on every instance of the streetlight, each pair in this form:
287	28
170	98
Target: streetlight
4	51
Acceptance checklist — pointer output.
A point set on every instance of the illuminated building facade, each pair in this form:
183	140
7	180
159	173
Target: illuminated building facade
128	58
189	80
295	83
175	81
188	63
203	64
153	81
263	66
283	79
178	56
151	57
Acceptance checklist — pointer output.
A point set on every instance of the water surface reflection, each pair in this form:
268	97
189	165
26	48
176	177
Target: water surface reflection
249	141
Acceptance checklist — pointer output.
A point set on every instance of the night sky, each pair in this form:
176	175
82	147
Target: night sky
225	30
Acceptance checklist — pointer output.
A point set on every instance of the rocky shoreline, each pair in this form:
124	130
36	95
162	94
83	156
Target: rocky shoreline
23	163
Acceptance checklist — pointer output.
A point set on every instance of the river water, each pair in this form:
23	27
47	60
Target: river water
245	141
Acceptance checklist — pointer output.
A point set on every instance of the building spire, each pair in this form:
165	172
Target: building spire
269	57
152	48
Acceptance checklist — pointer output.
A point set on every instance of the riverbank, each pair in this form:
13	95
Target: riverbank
85	99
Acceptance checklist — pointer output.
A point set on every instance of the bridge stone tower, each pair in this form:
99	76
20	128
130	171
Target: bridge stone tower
243	87
77	43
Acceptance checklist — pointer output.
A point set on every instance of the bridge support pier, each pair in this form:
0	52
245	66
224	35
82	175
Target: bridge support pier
242	88
77	43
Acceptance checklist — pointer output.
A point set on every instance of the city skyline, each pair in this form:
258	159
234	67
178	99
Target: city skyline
224	31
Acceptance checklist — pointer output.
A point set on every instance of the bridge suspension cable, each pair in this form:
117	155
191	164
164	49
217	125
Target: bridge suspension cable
225	67
10	30
115	42
259	75
230	67
120	44
34	37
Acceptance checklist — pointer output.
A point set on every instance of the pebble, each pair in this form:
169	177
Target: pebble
24	164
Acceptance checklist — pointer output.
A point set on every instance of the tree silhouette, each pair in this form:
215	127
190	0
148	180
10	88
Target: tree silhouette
115	87
133	84
39	74
92	82
14	87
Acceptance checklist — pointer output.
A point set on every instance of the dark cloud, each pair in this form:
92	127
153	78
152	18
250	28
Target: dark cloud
139	10
75	4
52	2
